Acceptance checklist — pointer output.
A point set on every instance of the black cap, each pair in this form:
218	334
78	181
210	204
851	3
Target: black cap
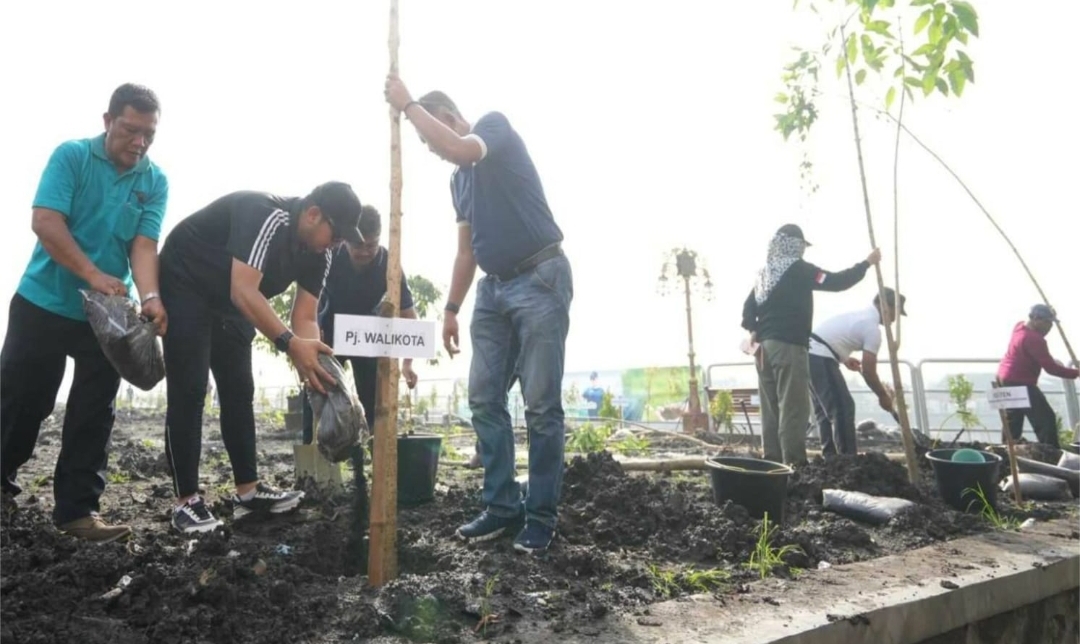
890	298
791	230
341	207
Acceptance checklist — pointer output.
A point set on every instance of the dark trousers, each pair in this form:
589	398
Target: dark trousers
834	408
1041	415
32	365
200	340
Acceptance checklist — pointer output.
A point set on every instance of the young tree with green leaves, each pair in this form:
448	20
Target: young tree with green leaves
867	41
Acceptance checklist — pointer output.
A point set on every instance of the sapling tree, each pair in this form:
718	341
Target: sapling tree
865	42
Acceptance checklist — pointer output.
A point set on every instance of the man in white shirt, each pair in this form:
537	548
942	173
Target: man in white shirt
832	342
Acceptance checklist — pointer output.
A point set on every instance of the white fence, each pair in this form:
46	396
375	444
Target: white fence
927	395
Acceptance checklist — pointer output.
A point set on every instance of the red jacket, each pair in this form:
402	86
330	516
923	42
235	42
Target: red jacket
1027	356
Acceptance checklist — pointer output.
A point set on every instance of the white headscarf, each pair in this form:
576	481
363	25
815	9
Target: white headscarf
784	251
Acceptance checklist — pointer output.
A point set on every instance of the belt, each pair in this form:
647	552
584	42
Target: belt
550	252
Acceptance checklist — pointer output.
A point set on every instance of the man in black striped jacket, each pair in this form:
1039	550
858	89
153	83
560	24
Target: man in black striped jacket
219	267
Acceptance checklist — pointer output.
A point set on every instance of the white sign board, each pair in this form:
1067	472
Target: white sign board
1009	398
375	337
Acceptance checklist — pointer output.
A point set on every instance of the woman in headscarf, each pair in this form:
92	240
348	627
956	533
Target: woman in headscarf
779	314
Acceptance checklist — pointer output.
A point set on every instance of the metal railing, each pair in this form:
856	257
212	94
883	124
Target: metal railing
932	410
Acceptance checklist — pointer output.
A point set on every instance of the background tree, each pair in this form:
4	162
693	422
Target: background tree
867	37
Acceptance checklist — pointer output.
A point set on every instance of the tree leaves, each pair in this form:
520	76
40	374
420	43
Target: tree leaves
965	13
923	20
935	61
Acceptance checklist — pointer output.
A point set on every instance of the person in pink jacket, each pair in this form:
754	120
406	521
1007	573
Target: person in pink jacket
1026	358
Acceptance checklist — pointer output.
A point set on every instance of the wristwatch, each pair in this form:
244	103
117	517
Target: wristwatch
451	307
282	341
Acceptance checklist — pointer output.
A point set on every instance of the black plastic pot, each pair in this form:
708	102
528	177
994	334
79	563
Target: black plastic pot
955	480
418	466
757	485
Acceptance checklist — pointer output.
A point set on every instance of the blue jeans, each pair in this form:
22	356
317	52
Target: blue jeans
519	328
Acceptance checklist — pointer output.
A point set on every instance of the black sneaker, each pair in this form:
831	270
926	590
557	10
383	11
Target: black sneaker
487	526
267	500
194	517
535	538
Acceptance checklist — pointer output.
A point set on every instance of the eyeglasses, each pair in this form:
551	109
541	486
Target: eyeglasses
335	236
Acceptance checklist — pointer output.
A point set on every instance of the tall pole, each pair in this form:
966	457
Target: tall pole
382	555
695	401
898	384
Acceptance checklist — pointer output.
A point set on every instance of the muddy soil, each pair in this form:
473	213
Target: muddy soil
625	541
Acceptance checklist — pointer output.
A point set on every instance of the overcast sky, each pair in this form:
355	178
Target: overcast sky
650	124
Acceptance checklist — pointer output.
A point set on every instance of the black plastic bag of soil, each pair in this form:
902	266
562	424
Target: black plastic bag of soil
858	506
342	423
1039	487
127	340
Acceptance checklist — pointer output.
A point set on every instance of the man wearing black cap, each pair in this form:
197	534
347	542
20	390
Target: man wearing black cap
831	344
219	267
778	313
1027	356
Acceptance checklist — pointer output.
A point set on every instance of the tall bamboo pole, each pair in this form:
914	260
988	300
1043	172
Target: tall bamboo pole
382	555
898	385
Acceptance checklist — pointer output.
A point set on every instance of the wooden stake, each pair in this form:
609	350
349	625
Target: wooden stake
1012	451
898	385
382	555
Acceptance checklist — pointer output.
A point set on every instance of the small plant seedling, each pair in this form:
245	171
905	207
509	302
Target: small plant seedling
667	583
663	581
117	477
589	438
147	443
632	445
765	557
960	390
608	408
988	512
450	452
487	615
703	581
722	410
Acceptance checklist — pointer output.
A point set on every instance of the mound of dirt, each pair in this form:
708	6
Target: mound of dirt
624	541
605	508
171	590
870	473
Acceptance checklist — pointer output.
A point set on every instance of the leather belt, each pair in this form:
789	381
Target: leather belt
532	262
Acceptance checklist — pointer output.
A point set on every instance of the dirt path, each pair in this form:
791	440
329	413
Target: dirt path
625	542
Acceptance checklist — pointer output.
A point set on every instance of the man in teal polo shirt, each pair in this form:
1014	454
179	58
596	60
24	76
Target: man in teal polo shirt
97	216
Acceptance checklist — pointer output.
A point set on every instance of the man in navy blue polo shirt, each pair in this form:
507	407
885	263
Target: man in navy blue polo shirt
522	311
219	267
97	216
355	286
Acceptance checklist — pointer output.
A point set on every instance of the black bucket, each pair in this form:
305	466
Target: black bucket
757	485
955	479
418	466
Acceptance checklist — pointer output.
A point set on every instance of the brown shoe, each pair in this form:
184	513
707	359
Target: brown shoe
93	529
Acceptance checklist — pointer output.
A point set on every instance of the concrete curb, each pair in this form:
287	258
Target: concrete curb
900	599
